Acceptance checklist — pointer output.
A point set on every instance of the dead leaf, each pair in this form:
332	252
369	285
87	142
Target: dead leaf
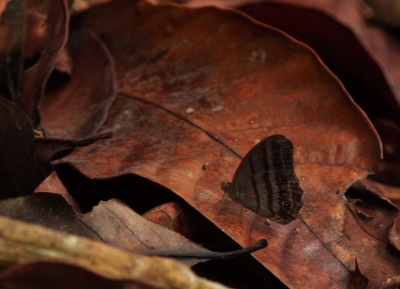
33	243
120	226
202	86
388	169
77	108
375	214
111	222
47	34
50	149
373	238
49	210
20	173
36	275
53	184
361	281
11	51
176	217
343	32
386	12
244	81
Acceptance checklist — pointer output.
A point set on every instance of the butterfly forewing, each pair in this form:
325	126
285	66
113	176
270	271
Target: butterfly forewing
265	181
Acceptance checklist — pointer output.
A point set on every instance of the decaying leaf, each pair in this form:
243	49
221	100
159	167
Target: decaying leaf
19	172
186	93
386	11
121	227
49	210
388	169
12	28
50	149
34	243
77	107
63	276
375	214
244	81
47	34
113	223
368	64
176	217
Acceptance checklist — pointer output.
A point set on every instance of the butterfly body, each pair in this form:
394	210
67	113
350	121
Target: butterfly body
265	181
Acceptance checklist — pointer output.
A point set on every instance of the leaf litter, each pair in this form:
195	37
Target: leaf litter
277	86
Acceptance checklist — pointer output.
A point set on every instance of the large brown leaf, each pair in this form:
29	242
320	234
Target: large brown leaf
334	38
113	223
202	86
47	34
36	275
38	245
20	173
11	51
82	103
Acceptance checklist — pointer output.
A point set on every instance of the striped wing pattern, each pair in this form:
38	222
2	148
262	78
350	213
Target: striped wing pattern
265	181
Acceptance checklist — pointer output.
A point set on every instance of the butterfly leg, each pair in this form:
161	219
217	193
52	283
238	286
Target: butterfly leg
242	209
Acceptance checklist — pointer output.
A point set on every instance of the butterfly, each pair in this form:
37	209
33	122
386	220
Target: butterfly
265	181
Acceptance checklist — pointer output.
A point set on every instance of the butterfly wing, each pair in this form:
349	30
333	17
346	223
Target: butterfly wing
265	181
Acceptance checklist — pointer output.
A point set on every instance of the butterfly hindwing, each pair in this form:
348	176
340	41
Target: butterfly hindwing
265	181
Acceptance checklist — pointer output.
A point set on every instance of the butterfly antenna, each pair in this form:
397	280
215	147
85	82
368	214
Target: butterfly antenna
241	212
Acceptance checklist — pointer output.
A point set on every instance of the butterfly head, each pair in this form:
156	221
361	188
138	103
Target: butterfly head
226	186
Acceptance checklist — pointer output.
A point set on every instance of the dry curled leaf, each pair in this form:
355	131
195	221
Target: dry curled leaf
47	33
49	210
244	81
63	276
12	50
113	223
368	66
76	107
19	171
121	227
198	88
33	243
386	11
176	217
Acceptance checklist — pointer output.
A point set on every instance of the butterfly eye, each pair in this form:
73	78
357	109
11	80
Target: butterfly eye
286	205
283	179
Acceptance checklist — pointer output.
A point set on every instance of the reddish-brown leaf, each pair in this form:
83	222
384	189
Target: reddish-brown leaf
46	36
49	210
339	43
176	217
360	52
53	184
12	47
374	213
77	108
196	85
23	243
388	169
120	226
49	149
